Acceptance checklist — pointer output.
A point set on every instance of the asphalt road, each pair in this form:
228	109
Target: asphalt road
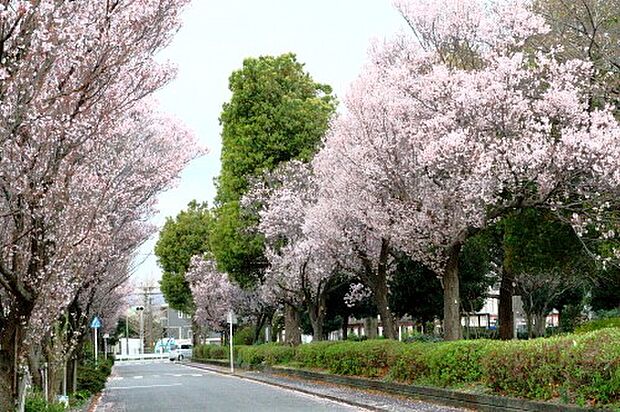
168	387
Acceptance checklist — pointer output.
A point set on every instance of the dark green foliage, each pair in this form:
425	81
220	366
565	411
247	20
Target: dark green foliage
210	352
583	369
598	324
269	354
368	358
181	238
238	250
313	355
576	368
35	402
276	113
605	294
244	336
416	291
91	377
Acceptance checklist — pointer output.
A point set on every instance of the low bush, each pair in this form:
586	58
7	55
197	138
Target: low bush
35	402
598	324
583	369
244	336
91	377
210	352
269	354
578	368
369	358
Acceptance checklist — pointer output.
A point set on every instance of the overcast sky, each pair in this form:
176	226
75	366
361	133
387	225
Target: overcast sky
330	36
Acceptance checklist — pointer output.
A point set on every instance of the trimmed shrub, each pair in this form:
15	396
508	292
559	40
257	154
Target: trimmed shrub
598	324
35	402
92	378
244	336
370	358
313	355
575	368
268	354
210	352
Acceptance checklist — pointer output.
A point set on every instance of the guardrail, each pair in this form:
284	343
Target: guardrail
141	356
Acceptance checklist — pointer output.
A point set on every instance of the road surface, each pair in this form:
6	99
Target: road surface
168	386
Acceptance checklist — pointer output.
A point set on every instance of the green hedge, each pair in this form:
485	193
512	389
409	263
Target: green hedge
598	324
583	369
92	378
269	353
579	368
210	352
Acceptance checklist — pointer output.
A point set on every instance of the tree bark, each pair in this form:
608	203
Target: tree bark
370	327
292	330
380	297
345	326
451	297
530	329
506	315
317	318
540	325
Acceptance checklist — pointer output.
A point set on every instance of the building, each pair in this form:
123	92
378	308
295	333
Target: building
175	324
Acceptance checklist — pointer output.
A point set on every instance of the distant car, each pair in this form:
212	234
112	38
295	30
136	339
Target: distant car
180	352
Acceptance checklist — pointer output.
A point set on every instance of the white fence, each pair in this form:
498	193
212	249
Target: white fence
141	356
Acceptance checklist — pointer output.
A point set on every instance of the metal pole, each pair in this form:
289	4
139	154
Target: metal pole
95	346
142	332
126	334
230	343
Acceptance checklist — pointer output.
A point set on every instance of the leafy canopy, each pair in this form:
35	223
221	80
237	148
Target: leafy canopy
181	238
276	113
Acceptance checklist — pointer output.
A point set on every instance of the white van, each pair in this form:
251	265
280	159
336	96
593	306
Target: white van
181	351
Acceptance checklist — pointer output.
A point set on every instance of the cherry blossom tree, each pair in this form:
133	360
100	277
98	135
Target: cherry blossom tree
449	128
300	273
214	295
83	154
339	224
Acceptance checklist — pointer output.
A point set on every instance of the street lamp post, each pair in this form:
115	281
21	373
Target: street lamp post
141	310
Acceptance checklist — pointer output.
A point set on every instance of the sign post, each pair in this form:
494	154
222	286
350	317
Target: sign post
95	324
231	320
105	345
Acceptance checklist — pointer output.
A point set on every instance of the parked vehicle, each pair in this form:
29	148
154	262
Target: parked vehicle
181	351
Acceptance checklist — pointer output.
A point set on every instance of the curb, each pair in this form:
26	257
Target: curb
448	397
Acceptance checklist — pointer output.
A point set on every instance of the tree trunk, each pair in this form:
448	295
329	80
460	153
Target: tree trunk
292	330
506	315
530	329
370	327
539	325
8	384
345	326
196	333
451	297
387	318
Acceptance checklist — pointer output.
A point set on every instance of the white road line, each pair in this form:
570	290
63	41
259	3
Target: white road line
142	386
117	378
138	377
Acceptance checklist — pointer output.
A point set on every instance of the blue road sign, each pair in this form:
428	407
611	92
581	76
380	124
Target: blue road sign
96	323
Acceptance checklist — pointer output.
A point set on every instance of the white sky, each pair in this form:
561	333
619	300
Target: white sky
330	36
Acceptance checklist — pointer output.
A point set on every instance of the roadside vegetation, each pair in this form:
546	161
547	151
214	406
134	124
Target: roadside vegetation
578	368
